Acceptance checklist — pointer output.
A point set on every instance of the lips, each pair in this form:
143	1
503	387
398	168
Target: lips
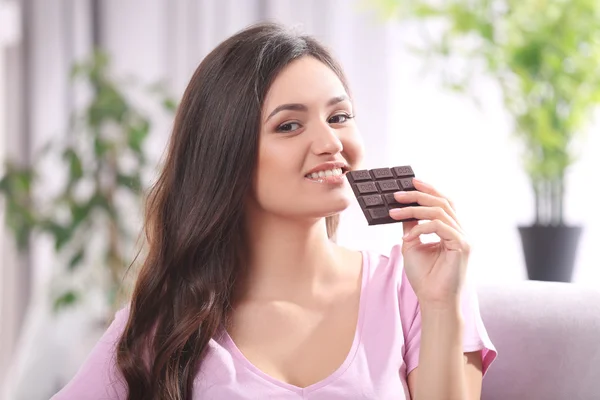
325	173
331	166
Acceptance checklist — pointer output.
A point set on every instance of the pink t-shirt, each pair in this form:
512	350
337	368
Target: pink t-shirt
385	349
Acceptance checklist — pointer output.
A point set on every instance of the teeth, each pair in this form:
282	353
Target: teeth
324	174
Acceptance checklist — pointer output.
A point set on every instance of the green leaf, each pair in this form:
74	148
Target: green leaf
132	182
20	212
137	135
424	10
169	104
79	213
76	71
76	259
17	181
62	234
100	201
22	238
101	147
67	299
4	184
75	165
107	105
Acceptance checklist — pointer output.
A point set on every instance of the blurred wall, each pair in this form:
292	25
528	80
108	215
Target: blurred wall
470	153
13	277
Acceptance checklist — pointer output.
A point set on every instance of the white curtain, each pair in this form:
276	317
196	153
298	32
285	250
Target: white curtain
53	33
12	279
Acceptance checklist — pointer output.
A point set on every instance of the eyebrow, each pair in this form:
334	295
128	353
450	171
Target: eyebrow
301	107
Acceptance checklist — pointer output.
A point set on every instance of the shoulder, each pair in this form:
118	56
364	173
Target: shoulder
99	376
106	348
388	260
388	267
118	324
386	276
388	279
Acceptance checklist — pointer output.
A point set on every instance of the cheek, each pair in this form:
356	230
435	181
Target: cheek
353	149
279	158
278	169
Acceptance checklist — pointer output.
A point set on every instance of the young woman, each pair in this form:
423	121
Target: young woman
245	294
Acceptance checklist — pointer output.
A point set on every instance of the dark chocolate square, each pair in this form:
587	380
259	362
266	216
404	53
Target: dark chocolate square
391	202
372	200
403	172
358	176
374	189
406	184
366	187
379	216
382	173
389	185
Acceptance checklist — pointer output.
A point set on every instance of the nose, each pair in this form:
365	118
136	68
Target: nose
326	141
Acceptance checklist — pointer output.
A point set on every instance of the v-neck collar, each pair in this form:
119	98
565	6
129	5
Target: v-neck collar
230	345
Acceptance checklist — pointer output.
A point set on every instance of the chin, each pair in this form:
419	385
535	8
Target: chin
334	206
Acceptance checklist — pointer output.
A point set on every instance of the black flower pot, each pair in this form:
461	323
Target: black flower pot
550	251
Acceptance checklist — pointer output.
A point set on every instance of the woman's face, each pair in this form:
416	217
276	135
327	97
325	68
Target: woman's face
308	139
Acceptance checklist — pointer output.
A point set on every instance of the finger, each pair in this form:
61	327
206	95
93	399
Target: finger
429	189
426	199
453	240
408	225
424	212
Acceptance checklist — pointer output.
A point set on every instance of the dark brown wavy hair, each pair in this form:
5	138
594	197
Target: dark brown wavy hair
194	221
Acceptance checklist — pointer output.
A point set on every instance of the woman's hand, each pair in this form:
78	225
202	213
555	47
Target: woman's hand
436	271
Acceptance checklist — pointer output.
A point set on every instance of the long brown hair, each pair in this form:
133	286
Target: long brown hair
194	214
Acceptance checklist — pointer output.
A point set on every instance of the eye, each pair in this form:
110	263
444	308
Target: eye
340	118
288	127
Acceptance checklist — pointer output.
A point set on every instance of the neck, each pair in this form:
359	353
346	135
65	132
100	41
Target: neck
288	256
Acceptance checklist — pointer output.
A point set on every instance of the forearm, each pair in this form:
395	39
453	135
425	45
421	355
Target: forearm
441	360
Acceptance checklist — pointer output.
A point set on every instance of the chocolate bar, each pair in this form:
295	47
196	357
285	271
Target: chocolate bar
374	189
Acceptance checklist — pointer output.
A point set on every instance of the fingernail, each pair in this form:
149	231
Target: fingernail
401	193
395	211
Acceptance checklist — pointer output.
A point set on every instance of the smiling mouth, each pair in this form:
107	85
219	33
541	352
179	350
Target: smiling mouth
326	173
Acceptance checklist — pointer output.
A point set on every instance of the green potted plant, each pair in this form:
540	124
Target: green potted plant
104	165
545	57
